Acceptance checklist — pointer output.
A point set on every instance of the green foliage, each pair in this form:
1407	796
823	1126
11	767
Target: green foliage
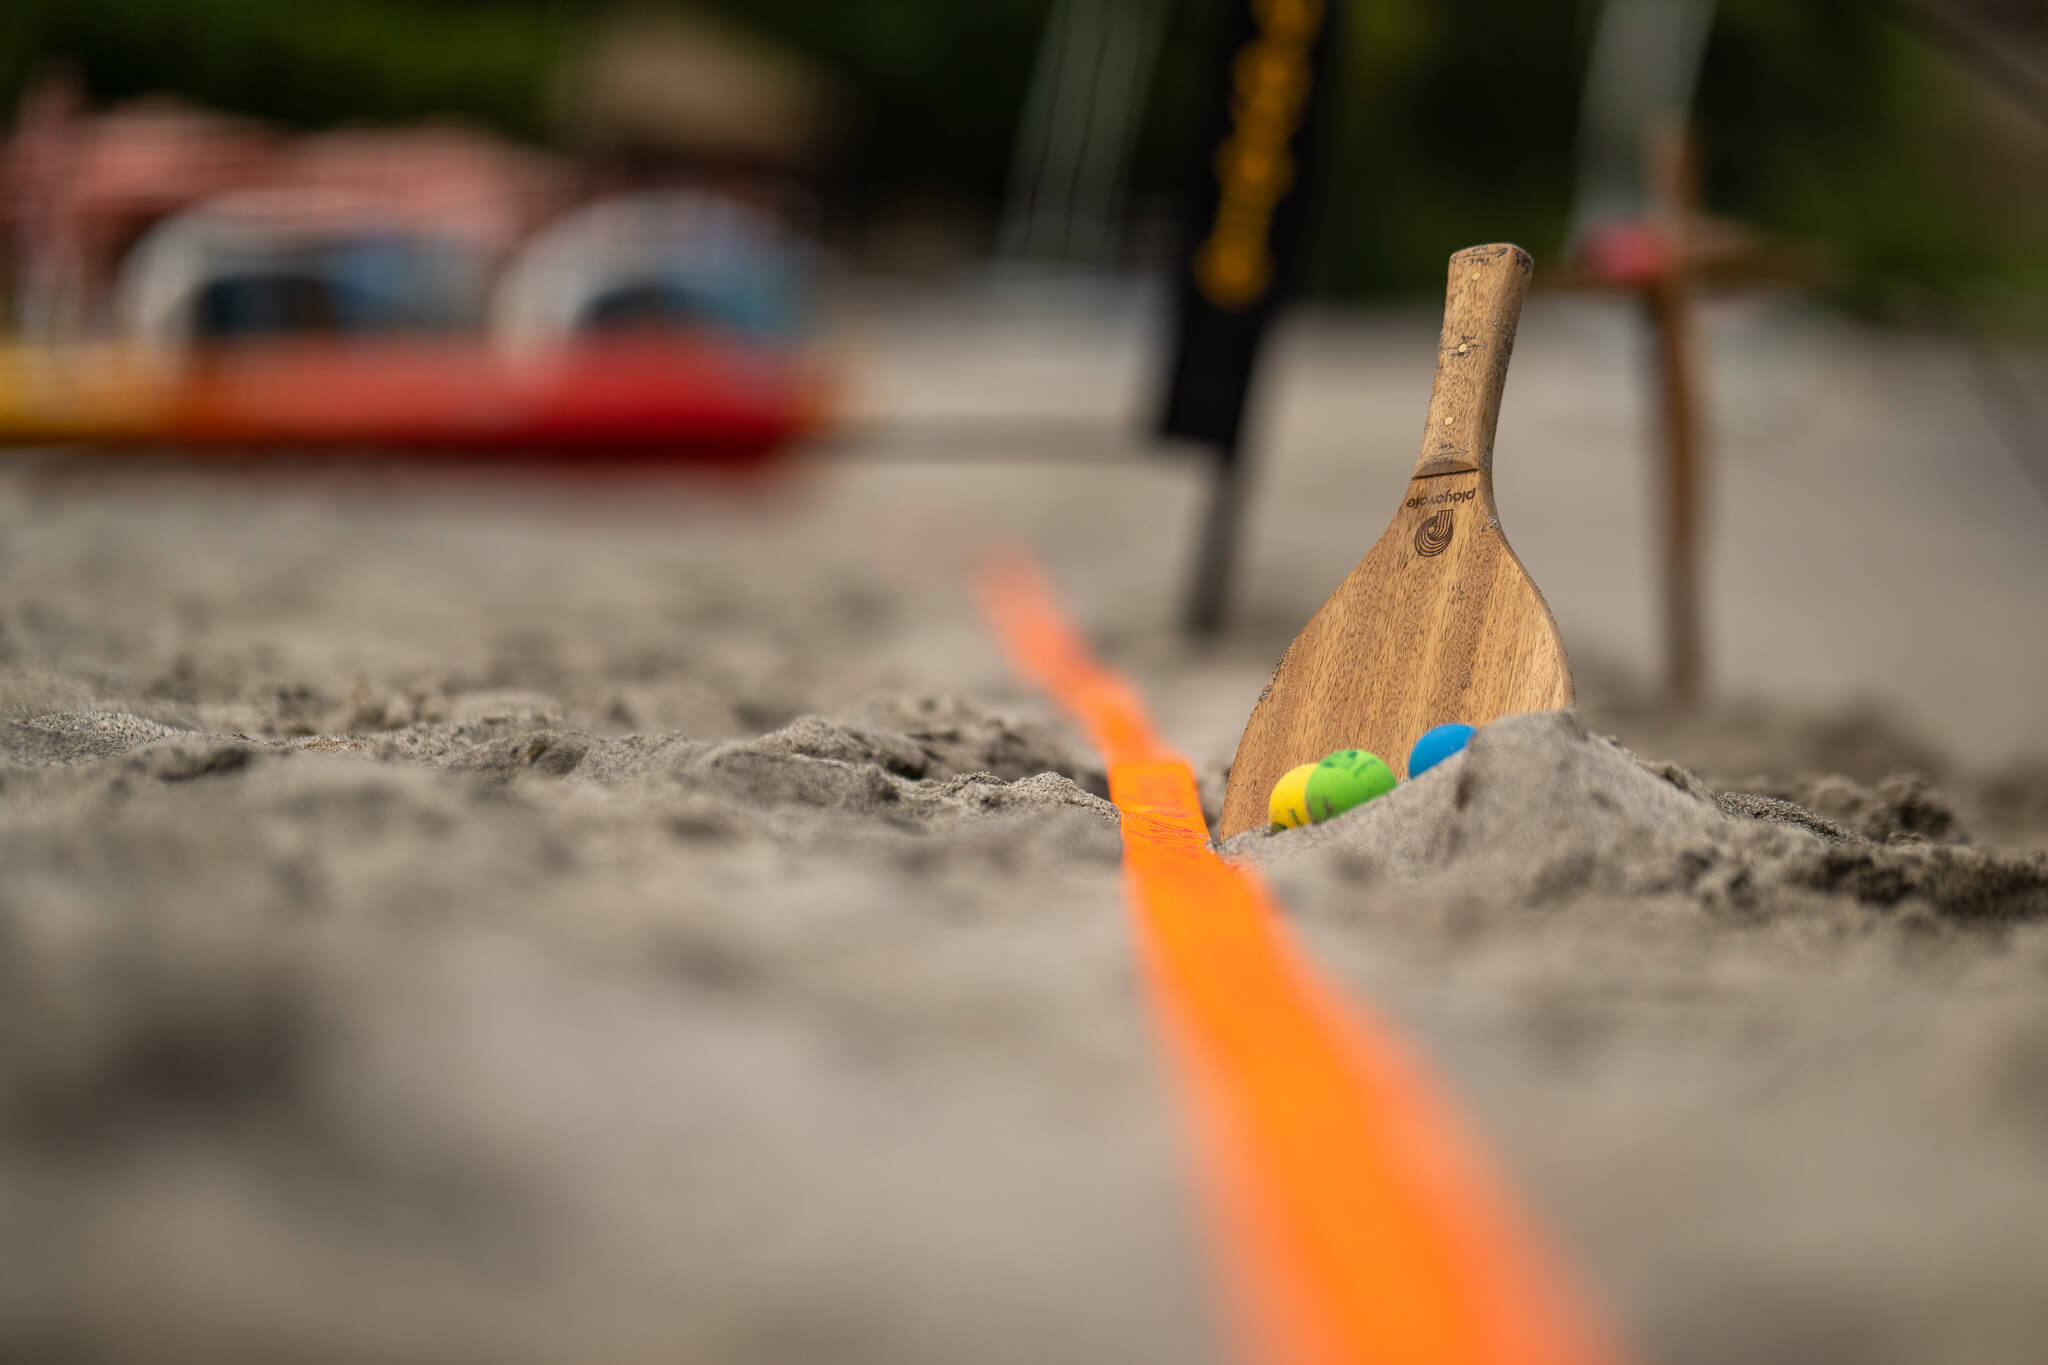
1829	126
1454	124
303	63
1455	120
937	87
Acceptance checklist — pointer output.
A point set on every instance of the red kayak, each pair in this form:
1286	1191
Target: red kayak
661	398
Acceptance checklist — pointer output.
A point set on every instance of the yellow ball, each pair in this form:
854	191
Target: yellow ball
1289	804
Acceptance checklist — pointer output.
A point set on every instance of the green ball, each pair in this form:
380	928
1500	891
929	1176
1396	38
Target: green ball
1347	778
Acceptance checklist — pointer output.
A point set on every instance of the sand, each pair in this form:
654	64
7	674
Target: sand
550	923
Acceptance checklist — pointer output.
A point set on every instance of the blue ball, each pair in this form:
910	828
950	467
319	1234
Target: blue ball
1435	746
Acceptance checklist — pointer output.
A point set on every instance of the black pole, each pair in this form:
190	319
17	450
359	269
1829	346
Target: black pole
1246	228
1216	550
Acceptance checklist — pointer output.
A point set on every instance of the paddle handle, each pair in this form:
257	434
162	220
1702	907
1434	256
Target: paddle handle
1482	304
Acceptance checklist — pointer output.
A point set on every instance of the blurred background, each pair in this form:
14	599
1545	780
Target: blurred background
937	233
1904	135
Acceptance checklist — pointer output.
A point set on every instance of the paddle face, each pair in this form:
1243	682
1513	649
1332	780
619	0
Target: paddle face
1439	622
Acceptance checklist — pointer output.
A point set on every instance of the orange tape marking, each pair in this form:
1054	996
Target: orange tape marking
1357	1221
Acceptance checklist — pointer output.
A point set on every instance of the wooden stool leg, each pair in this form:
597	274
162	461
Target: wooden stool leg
1673	172
1678	403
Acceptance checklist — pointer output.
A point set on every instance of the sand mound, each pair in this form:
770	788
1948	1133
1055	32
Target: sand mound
576	1043
945	764
1539	811
457	929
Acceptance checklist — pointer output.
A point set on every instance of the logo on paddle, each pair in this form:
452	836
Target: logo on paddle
1435	533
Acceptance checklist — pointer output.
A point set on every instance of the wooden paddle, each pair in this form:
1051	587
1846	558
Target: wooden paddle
1439	622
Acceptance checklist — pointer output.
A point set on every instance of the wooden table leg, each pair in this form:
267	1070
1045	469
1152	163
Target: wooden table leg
1669	307
1669	300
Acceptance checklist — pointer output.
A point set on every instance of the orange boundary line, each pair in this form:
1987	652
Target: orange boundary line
1357	1222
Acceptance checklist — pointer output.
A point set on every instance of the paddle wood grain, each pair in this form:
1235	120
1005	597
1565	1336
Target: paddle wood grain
1439	622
